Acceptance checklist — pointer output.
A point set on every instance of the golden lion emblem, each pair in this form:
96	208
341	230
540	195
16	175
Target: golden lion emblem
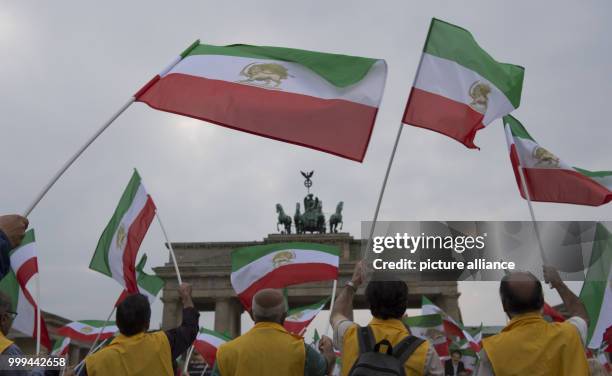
121	236
283	258
479	91
268	75
296	316
87	329
545	158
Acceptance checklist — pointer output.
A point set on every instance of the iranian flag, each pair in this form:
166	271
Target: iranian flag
470	359
430	327
323	101
280	265
18	285
207	342
453	329
60	347
552	314
596	293
88	330
299	318
459	88
548	178
148	285
115	255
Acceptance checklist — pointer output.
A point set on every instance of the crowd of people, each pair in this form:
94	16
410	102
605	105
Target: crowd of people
528	345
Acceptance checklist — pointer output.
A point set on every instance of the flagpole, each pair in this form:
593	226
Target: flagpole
93	347
104	126
331	306
204	370
38	318
172	255
533	219
188	357
82	362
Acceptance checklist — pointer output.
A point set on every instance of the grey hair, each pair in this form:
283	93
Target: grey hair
269	314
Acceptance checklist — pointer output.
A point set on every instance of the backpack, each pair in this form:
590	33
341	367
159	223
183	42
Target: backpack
371	362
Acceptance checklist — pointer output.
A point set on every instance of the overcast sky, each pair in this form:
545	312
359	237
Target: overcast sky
68	65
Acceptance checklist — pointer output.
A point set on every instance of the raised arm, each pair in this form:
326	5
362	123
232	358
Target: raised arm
182	337
573	305
343	306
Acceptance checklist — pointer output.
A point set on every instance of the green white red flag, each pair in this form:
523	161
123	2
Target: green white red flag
280	265
207	342
116	252
430	327
453	329
326	102
596	293
459	88
148	285
550	179
552	314
18	283
60	346
88	330
299	318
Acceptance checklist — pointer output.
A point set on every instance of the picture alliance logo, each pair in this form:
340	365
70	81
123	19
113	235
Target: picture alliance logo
413	243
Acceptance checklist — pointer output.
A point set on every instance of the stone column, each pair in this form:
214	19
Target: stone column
227	316
172	314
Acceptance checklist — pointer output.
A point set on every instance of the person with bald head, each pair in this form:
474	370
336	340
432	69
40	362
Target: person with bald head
529	345
268	349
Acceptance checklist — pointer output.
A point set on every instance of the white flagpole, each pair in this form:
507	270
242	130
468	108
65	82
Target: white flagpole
38	318
106	124
187	358
91	351
331	306
172	255
93	347
204	370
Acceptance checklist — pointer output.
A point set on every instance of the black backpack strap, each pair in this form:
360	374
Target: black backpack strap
365	337
406	347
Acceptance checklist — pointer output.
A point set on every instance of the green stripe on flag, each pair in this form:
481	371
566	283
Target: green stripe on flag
97	323
311	306
454	43
598	277
99	261
28	238
10	286
151	283
516	128
215	334
244	256
594	174
424	321
339	70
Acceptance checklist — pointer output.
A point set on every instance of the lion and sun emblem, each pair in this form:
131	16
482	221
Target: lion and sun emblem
544	158
267	75
283	258
479	92
121	237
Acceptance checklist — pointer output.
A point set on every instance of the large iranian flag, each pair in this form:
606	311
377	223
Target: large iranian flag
550	179
453	329
299	318
322	101
280	265
596	293
148	285
207	342
18	284
459	87
88	330
115	255
430	327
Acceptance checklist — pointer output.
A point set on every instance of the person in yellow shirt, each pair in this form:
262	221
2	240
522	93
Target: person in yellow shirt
136	352
529	345
268	349
388	303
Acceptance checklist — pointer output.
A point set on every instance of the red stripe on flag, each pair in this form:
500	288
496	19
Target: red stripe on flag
296	327
136	233
208	351
27	271
446	116
67	331
335	126
287	275
44	334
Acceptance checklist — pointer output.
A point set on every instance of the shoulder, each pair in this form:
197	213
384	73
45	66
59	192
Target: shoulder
576	325
344	329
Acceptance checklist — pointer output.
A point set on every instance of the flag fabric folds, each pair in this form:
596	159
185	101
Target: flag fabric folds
596	293
116	252
453	329
280	265
299	318
60	346
430	327
323	101
87	330
459	88
148	285
17	285
550	179
207	342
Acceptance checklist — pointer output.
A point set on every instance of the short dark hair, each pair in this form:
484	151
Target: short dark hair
517	304
387	299
456	352
133	314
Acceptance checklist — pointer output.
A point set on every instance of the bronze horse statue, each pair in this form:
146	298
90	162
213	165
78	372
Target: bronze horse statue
297	220
283	219
336	218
